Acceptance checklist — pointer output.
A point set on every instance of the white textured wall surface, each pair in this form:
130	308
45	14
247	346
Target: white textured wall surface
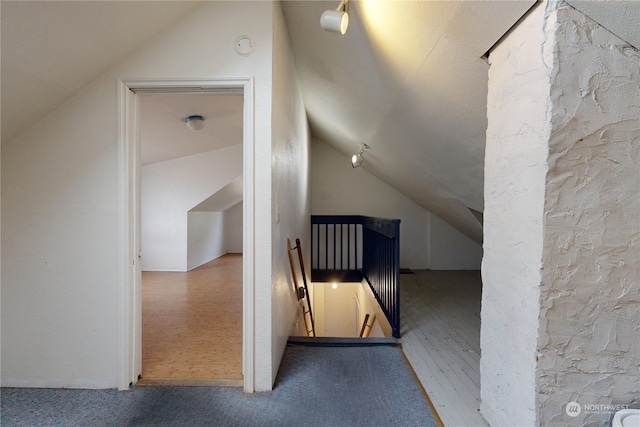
290	201
60	205
168	191
515	167
589	345
426	241
561	269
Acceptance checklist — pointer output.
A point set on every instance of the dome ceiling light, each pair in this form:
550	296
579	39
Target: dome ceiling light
194	122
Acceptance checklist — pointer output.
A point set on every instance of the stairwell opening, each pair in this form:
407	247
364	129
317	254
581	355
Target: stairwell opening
346	310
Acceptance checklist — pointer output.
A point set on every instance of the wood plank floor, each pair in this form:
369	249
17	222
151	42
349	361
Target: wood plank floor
192	322
440	328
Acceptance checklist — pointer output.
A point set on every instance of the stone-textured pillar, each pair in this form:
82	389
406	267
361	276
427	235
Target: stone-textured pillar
561	272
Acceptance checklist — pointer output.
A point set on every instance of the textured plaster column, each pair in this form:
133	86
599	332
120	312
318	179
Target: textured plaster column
515	167
561	272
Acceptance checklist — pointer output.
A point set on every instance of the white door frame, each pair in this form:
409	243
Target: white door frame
130	313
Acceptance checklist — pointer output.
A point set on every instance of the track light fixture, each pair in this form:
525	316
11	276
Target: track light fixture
336	20
194	122
357	159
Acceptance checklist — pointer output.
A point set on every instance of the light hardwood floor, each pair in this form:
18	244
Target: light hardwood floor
440	328
192	322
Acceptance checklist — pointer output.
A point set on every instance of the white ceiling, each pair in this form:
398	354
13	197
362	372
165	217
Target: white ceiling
621	17
222	200
52	49
163	131
408	79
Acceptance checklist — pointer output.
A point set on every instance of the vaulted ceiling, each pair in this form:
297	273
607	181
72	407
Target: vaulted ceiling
408	78
52	49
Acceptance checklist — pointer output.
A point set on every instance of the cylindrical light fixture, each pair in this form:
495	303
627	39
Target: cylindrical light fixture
194	122
336	20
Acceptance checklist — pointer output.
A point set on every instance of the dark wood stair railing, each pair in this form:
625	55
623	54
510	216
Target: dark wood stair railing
349	248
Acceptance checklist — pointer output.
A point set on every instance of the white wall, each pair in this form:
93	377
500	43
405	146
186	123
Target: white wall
561	296
60	247
213	234
450	249
334	309
426	242
335	313
514	191
169	190
290	211
367	307
205	237
233	229
60	207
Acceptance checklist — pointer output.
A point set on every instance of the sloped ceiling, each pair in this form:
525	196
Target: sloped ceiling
408	78
165	136
224	199
621	17
51	49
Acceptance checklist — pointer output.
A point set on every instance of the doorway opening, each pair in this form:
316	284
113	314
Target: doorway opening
191	238
204	214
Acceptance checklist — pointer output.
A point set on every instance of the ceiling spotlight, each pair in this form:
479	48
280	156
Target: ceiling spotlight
194	122
336	20
357	159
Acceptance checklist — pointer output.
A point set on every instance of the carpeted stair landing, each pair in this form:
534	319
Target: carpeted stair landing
318	384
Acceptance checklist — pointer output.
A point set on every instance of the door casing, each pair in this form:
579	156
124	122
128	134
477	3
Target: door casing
130	286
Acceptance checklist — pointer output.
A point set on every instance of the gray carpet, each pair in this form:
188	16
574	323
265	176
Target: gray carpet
316	386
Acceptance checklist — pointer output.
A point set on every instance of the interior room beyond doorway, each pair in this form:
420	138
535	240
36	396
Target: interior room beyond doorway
192	324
